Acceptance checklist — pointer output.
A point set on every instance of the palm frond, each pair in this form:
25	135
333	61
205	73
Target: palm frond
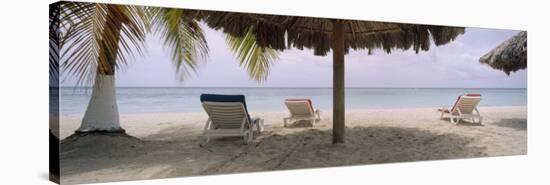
99	38
182	35
254	58
54	11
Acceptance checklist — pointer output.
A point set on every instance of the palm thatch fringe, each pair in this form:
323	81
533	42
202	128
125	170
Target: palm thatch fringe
283	32
510	56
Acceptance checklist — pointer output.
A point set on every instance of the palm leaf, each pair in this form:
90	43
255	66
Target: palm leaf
99	38
182	36
251	56
55	11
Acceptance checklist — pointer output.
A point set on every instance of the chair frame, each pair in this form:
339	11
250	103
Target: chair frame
314	117
456	113
246	129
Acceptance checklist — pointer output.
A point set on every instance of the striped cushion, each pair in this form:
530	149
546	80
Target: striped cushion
458	98
305	99
472	94
226	98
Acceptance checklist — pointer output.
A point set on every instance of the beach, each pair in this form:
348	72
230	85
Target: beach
166	144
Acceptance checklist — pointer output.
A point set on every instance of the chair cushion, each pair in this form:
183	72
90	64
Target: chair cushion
304	99
467	94
226	98
444	110
472	94
454	105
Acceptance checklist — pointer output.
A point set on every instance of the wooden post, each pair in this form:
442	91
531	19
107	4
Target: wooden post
338	86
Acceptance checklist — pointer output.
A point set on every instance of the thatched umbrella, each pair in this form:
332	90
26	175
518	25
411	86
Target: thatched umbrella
509	56
322	35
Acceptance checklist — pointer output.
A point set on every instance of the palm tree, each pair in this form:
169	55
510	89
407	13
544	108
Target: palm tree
95	40
92	41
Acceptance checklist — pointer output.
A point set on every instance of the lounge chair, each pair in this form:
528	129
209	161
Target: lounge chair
301	109
465	107
228	116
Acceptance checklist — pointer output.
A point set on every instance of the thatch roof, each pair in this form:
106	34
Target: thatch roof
510	56
283	32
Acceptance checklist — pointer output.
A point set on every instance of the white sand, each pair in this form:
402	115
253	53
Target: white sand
166	144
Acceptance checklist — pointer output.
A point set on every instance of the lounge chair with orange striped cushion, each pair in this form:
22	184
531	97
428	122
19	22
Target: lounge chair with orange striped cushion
465	107
301	109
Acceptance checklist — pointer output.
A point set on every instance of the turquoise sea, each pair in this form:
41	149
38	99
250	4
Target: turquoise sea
186	99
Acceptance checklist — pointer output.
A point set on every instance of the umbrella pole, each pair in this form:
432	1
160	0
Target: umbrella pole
338	112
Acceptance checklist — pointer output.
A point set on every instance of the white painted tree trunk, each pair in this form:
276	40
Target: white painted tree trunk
102	112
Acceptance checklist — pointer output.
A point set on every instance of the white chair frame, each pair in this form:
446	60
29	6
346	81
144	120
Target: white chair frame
246	129
456	115
314	117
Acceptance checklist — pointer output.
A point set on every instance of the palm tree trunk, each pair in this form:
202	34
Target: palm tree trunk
338	114
102	112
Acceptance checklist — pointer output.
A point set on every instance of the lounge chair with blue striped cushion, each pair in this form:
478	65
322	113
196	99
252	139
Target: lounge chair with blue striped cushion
228	116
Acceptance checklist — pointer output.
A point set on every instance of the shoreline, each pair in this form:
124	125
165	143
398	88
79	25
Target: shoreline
347	109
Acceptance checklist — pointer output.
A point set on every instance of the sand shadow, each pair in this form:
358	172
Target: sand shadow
309	148
515	123
463	122
160	153
364	145
175	134
300	124
89	148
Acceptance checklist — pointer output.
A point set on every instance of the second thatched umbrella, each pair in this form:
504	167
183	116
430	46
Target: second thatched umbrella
509	56
322	35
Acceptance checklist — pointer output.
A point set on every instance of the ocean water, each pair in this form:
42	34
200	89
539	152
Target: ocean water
186	99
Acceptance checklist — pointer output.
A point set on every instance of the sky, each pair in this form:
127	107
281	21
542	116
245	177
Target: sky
454	65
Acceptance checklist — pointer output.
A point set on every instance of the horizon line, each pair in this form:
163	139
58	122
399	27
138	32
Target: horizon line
311	87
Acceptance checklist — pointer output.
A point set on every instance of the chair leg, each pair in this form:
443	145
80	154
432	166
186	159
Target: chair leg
480	119
260	125
284	122
451	118
247	137
250	135
204	140
318	115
